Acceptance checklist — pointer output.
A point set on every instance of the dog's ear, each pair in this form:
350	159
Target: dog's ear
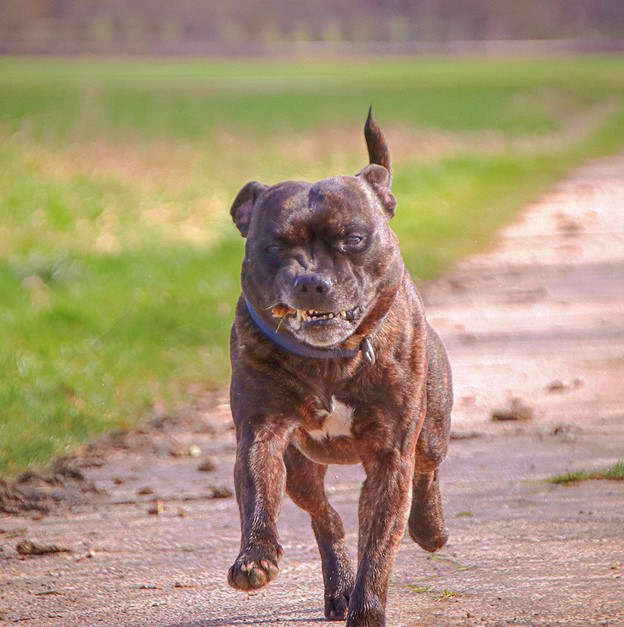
379	180
243	205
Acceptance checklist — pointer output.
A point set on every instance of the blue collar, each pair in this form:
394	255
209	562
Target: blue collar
303	350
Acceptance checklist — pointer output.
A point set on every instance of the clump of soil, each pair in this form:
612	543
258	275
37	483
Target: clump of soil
41	491
557	386
565	430
157	508
517	410
464	435
220	492
208	465
13	500
28	547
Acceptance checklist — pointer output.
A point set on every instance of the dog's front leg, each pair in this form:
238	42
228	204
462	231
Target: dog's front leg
260	477
383	510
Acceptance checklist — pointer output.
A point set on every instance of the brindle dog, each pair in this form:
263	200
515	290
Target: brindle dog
333	362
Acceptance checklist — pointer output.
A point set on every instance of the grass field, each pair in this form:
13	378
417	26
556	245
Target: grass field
118	264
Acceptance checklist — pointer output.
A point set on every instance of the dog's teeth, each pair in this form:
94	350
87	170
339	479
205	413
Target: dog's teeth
331	315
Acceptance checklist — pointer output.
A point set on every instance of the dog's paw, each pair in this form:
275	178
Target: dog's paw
428	532
370	617
430	540
336	606
254	569
426	524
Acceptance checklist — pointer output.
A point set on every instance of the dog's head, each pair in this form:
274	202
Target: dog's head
319	255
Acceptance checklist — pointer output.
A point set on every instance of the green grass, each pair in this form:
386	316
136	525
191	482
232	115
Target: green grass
118	264
441	595
419	589
447	595
613	473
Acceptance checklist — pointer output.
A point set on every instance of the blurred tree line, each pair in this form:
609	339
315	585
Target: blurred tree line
204	26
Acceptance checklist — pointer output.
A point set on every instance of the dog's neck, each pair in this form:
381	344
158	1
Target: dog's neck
363	344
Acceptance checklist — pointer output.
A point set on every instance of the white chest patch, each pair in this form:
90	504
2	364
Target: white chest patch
337	422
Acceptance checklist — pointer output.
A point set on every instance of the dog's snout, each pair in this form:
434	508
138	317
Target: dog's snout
312	284
312	290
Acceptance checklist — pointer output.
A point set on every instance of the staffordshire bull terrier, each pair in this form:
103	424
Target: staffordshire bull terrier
333	362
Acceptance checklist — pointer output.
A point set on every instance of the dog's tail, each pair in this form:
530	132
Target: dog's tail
378	151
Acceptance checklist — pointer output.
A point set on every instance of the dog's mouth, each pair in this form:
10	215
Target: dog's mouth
313	316
318	328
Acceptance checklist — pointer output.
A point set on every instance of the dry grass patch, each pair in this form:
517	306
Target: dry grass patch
339	148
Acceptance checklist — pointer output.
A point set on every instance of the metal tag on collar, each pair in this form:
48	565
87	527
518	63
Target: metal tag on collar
367	350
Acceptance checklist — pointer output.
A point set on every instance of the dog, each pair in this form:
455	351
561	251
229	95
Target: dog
333	362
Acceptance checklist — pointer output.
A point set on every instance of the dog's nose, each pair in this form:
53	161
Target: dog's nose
312	284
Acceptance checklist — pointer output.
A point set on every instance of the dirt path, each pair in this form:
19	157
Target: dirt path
545	305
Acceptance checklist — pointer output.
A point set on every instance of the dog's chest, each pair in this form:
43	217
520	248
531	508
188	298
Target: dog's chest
334	423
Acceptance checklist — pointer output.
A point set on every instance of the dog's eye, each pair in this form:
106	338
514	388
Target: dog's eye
352	243
273	249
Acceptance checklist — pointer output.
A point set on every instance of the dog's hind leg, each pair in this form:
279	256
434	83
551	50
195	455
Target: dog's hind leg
426	520
305	486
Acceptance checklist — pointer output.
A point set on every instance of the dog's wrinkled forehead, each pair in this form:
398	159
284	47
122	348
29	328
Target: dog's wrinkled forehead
294	205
